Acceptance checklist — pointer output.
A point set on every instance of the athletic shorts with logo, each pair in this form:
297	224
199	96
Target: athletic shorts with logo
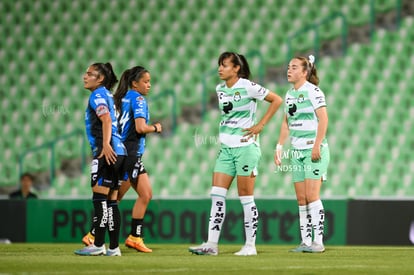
107	175
133	167
240	161
303	167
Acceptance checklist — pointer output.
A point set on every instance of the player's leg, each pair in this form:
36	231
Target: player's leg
250	214
314	176
144	191
247	161
114	215
123	189
100	188
224	172
140	182
221	183
298	175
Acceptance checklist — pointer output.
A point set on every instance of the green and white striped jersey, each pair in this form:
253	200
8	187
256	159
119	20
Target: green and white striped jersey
238	106
300	106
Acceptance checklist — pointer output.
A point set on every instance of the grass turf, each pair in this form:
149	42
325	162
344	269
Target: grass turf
40	258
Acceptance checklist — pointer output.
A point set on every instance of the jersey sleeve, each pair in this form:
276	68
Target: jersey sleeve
98	103
317	98
139	106
255	90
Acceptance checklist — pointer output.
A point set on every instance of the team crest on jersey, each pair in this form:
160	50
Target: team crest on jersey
237	96
301	98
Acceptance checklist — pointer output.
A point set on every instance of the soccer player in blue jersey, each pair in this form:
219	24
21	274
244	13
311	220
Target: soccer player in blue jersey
240	152
133	117
108	154
305	123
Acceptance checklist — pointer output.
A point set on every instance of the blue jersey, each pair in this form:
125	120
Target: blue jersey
134	106
101	102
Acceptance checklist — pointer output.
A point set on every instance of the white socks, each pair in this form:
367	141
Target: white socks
251	216
217	213
312	219
305	225
317	212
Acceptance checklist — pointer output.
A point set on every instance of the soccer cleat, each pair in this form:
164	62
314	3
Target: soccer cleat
204	249
315	248
137	243
247	250
88	239
301	248
91	250
113	252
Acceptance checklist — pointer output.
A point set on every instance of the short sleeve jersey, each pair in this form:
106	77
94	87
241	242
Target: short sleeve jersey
134	106
238	106
101	102
300	106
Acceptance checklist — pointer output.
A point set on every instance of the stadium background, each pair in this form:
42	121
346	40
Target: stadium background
364	55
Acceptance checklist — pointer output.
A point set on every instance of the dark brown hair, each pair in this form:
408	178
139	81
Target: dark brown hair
237	60
133	74
106	70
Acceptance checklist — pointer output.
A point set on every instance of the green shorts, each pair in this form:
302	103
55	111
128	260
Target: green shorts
240	161
303	167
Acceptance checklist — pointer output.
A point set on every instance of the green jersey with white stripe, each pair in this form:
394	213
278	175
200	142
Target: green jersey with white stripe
300	106
238	105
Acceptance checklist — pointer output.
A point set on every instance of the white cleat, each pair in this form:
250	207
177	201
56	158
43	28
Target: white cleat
91	250
247	250
204	249
315	248
113	252
301	248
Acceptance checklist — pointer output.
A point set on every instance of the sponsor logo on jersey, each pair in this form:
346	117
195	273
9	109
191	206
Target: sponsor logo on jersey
296	124
261	91
99	101
227	122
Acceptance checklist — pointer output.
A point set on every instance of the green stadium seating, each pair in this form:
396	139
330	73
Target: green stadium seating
48	47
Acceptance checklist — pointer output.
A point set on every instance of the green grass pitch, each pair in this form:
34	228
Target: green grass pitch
40	258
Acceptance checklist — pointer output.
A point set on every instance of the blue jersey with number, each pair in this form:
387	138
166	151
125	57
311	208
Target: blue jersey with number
101	102
134	106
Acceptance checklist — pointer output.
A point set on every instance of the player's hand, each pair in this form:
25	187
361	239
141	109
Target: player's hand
316	153
108	153
278	155
159	127
252	132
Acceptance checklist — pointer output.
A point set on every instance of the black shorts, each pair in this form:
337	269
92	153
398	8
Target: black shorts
133	167
107	175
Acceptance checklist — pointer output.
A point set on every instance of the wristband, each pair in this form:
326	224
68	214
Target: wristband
279	147
155	128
